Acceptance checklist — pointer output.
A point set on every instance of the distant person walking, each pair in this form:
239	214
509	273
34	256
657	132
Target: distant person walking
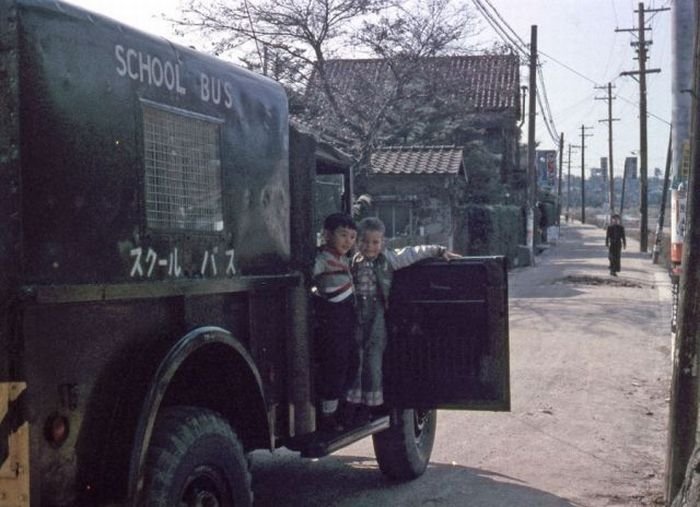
615	241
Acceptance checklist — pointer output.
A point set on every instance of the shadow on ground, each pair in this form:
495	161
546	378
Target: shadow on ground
285	479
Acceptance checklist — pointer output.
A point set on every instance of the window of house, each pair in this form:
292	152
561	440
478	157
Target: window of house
182	170
328	198
397	218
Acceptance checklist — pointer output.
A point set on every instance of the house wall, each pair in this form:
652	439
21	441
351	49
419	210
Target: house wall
431	199
490	230
440	216
501	135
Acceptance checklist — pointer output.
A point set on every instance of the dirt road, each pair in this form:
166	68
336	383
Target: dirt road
590	369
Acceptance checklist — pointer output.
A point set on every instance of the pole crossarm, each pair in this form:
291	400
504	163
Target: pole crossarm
660	9
638	72
633	30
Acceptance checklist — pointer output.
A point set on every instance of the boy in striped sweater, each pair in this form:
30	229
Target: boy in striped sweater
335	314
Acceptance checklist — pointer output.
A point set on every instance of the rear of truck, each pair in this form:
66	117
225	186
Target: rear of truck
145	256
157	216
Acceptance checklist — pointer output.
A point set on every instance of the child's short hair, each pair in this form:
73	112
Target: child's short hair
335	220
370	224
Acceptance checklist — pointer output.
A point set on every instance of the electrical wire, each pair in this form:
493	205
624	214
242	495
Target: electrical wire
514	43
511	37
508	35
510	28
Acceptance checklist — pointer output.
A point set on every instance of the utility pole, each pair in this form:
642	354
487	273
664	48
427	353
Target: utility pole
561	160
641	45
662	210
622	194
531	167
624	180
568	180
610	119
684	15
583	171
683	407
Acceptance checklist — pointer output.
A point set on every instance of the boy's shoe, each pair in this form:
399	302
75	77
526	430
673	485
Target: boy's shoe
329	423
348	414
378	411
363	415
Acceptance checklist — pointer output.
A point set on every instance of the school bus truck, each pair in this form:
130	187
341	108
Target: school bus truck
157	227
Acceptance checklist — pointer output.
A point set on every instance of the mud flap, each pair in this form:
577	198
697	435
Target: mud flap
14	446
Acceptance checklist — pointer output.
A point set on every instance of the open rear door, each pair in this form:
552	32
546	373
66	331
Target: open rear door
448	336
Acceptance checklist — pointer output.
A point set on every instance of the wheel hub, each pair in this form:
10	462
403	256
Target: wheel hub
206	499
204	488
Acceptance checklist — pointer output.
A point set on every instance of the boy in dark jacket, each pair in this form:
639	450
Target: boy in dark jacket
615	241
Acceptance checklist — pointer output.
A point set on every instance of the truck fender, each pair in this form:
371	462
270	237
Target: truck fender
195	349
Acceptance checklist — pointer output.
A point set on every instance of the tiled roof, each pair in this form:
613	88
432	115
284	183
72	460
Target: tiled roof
417	160
487	82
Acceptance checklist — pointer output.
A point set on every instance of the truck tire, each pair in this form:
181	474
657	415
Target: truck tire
403	450
195	459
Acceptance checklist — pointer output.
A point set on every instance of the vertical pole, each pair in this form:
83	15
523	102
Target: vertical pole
682	46
532	168
662	210
561	161
622	194
643	225
583	175
568	185
683	408
610	151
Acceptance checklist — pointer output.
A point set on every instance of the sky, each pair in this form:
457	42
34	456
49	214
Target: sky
579	50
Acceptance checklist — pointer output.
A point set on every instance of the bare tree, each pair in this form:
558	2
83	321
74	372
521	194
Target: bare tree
301	32
291	40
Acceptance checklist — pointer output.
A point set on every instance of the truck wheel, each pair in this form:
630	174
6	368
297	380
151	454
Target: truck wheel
403	450
195	459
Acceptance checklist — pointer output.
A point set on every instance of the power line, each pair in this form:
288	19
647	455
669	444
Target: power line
517	43
513	32
510	36
546	102
571	69
546	122
500	31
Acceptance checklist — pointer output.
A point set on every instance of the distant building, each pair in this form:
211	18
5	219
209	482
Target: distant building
604	167
631	168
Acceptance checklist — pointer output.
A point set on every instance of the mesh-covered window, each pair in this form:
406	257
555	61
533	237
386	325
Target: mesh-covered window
183	171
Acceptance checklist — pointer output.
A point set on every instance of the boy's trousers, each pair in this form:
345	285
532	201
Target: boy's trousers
365	372
335	341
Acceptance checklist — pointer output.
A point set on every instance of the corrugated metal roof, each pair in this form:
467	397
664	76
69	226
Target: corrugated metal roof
417	160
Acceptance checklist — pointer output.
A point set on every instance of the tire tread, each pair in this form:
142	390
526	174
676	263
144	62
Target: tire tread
175	430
